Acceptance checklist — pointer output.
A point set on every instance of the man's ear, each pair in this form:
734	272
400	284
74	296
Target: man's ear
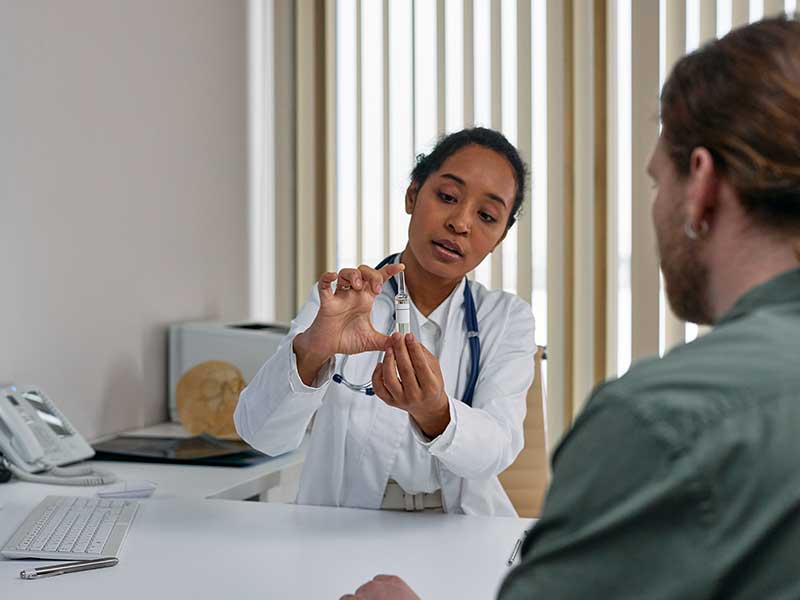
411	197
797	249
702	188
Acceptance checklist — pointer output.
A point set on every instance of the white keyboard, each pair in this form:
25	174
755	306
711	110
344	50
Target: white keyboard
71	527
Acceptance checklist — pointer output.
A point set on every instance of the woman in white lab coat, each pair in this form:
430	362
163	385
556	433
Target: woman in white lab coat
432	424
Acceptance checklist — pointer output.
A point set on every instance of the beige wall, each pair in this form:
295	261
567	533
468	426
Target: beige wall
123	194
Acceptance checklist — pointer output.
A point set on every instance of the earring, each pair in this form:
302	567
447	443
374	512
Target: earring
692	233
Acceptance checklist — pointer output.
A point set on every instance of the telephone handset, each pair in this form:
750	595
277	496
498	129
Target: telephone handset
36	437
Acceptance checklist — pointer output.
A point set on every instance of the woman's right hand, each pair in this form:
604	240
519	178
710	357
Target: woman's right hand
342	324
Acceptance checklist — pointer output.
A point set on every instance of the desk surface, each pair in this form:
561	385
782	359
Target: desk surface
212	549
184	481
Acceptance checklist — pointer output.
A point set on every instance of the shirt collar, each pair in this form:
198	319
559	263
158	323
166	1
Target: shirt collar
778	290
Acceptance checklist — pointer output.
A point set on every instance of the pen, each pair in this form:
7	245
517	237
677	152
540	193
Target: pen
515	551
69	567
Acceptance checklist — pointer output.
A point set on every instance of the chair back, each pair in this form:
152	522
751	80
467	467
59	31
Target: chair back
526	480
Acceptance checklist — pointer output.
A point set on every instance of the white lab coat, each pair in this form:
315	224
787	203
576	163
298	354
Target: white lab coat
358	440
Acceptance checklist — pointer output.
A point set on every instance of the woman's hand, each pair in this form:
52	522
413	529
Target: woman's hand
419	390
383	587
342	324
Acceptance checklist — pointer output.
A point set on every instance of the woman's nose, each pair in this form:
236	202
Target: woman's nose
459	222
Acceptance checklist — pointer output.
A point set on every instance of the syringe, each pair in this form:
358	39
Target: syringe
402	309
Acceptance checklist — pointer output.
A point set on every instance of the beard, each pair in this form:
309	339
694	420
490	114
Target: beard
685	276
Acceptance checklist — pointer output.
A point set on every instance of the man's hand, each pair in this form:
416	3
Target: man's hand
383	587
419	390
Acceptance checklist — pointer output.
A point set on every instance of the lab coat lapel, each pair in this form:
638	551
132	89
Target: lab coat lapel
454	345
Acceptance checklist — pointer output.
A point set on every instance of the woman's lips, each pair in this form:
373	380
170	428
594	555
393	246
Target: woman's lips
445	254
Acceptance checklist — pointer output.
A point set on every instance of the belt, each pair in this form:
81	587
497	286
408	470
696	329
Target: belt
396	498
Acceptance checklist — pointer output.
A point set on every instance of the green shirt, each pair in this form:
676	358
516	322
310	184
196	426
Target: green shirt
682	478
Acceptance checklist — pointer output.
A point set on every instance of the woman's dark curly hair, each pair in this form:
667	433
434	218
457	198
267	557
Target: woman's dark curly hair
479	136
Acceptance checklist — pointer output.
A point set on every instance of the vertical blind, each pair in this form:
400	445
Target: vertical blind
573	84
410	71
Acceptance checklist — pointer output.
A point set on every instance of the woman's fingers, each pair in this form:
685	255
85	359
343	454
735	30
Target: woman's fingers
404	366
388	271
379	387
325	281
348	279
372	278
419	360
365	277
390	379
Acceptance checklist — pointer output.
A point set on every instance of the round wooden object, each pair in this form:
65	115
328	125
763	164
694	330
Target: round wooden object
206	396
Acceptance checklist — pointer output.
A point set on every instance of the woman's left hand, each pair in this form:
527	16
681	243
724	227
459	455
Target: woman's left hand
419	390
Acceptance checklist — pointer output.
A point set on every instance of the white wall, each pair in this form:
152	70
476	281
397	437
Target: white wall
123	194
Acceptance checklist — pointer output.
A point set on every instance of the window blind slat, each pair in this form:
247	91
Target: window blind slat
708	20
469	63
559	274
583	215
644	129
441	94
675	47
496	113
359	143
524	248
774	7
401	108
372	122
740	12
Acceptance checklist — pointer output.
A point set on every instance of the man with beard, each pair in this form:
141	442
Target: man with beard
682	478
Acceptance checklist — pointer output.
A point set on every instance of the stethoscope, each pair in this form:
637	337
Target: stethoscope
471	323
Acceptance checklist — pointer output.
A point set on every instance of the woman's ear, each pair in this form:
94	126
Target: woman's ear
411	197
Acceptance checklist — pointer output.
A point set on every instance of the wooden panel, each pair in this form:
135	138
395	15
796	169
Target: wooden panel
525	481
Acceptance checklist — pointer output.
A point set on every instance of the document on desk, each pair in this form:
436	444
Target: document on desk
128	489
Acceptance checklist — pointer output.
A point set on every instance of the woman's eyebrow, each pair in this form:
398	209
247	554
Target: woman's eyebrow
458	179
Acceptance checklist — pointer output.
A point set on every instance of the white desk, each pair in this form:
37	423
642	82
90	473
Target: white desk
275	479
215	549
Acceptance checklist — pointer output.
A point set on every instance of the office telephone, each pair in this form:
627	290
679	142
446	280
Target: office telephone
36	440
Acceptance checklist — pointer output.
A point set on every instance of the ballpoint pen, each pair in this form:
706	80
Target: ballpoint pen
67	567
515	551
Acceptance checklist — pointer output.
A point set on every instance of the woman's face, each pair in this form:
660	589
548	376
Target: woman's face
460	213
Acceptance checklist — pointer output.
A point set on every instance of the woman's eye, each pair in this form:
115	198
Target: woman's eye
487	217
446	197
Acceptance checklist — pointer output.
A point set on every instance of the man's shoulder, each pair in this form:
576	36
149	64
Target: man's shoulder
726	374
